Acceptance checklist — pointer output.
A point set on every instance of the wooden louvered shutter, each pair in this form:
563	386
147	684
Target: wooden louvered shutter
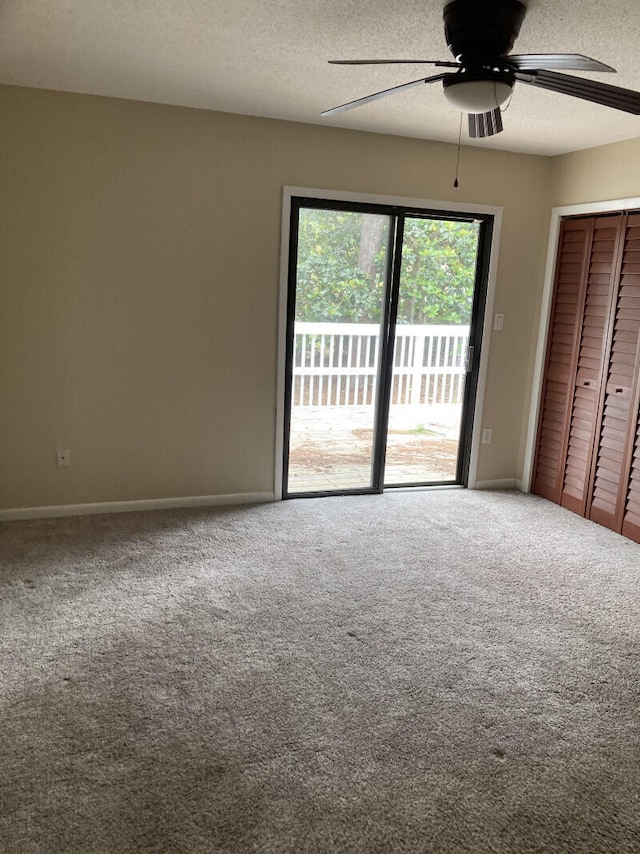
588	447
610	501
601	278
562	348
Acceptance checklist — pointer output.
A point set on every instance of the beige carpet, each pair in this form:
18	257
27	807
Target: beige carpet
444	671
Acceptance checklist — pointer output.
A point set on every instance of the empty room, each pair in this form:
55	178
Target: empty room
319	427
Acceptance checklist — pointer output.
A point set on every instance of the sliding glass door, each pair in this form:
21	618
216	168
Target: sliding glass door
341	287
430	362
384	311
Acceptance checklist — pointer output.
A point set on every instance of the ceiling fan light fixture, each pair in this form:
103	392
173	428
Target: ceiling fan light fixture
477	96
480	35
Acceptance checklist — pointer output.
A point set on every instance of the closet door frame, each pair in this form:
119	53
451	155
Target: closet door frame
557	215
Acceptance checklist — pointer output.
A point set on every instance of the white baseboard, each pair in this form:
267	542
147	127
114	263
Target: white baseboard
133	506
507	483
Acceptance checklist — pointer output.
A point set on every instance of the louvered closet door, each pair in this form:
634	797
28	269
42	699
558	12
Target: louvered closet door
631	519
610	500
574	250
590	369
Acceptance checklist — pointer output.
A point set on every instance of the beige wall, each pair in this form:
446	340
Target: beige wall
139	246
597	174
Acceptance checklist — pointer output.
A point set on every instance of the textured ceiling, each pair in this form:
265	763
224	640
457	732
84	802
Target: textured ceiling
270	59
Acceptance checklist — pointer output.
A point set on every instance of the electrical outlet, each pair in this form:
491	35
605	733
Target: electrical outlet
63	458
487	435
498	322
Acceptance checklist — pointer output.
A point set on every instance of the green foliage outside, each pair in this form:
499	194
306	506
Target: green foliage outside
342	258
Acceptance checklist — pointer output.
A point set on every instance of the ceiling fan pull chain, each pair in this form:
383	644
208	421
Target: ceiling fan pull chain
455	183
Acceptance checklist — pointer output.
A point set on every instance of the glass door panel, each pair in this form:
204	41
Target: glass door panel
341	290
435	302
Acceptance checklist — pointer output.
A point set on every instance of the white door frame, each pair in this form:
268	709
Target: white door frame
428	205
585	209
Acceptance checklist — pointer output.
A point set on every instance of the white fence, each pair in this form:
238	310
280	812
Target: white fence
336	364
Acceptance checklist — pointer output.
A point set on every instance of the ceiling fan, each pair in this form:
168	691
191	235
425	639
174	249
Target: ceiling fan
480	34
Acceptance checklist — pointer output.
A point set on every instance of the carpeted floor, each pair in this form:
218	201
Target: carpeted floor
445	671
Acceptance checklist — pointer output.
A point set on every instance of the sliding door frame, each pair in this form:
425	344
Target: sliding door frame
487	256
297	204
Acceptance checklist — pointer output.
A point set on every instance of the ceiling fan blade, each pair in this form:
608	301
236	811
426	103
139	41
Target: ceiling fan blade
485	124
589	90
440	64
359	101
555	61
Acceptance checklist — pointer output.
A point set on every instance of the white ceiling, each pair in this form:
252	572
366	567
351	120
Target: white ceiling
270	59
